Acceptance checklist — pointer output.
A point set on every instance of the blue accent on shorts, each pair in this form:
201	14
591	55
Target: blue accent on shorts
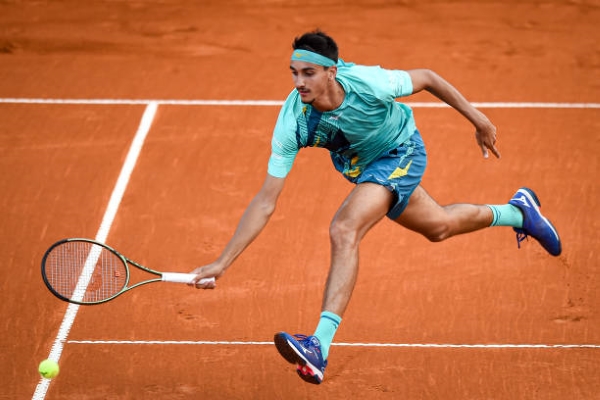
390	170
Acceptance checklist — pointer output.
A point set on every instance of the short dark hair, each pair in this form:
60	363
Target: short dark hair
317	42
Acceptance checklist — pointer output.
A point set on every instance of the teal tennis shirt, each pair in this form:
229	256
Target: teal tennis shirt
368	122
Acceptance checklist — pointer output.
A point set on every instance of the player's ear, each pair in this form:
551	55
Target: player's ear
332	72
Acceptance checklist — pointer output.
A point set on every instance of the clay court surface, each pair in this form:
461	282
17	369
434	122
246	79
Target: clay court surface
470	318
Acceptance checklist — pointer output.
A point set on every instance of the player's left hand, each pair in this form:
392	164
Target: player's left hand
486	139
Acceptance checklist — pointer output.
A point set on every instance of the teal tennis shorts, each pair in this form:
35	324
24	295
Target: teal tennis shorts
400	170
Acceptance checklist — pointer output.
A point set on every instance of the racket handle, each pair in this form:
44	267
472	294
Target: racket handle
178	277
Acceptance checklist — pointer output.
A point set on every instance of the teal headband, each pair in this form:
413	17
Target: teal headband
312	57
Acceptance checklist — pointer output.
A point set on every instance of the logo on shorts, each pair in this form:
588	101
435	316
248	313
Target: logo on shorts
400	172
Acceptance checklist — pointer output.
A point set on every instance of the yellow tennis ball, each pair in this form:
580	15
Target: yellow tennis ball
48	369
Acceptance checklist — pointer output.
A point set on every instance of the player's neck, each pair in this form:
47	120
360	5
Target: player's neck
331	99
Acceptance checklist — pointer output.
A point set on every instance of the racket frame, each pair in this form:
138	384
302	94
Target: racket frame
166	276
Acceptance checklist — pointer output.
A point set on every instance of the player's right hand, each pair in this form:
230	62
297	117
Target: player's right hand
213	270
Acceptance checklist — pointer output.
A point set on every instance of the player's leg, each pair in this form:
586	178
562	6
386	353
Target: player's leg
425	216
367	204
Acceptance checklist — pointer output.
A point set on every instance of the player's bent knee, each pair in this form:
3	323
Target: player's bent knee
439	234
342	234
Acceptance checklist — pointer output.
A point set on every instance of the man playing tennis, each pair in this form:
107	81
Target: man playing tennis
351	111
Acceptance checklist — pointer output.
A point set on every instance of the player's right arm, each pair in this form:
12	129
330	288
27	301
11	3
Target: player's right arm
284	147
253	221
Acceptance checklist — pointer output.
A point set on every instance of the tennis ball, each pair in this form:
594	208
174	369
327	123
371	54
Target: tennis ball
48	369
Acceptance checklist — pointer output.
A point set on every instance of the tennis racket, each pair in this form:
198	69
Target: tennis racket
84	271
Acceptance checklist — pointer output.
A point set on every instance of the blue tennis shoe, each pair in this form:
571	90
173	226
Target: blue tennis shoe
305	352
534	223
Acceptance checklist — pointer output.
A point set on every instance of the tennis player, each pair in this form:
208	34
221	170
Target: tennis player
351	110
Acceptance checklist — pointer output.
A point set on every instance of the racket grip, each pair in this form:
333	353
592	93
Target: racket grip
179	277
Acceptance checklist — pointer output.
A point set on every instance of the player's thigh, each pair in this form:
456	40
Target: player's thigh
366	204
423	214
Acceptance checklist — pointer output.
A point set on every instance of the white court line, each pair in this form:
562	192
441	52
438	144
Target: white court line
274	103
418	345
107	220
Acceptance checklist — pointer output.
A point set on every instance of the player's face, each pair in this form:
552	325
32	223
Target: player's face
311	80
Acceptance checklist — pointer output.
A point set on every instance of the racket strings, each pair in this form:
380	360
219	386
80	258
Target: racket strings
85	272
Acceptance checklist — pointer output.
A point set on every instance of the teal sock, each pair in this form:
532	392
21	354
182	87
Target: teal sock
507	215
326	329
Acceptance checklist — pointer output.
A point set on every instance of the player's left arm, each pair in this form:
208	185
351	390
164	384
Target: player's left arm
485	131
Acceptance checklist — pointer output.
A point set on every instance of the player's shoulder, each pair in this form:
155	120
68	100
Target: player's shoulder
357	71
361	74
291	109
373	79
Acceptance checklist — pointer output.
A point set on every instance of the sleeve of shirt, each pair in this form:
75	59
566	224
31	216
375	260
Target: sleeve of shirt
284	146
400	82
